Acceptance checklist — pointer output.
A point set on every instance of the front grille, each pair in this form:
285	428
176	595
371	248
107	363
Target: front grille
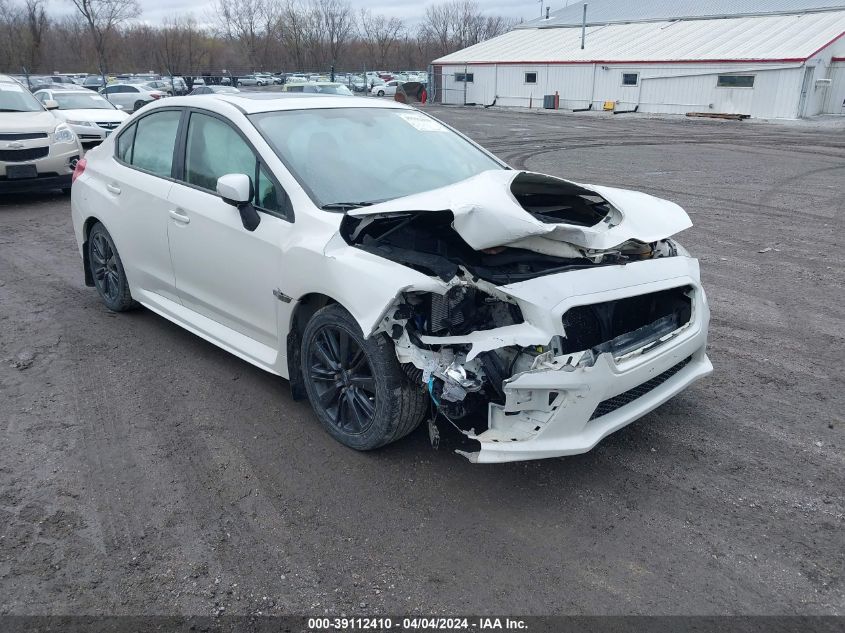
621	325
611	404
108	125
21	155
22	136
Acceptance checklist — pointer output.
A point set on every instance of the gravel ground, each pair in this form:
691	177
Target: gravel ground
145	471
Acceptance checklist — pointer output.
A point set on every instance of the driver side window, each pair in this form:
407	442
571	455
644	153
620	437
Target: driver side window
215	149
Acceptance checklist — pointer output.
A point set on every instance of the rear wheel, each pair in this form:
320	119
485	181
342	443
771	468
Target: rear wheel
139	105
355	385
107	270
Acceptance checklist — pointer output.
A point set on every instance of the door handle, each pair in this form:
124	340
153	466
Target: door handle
180	216
113	189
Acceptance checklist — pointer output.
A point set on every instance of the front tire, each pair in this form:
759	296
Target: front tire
381	93
355	385
107	271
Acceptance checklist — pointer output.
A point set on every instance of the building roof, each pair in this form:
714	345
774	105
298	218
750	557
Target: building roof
784	38
620	11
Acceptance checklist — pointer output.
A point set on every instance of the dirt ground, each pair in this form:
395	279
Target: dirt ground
143	470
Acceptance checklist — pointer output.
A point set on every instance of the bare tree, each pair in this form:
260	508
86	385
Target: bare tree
332	26
460	23
36	23
378	34
292	31
437	27
242	21
103	18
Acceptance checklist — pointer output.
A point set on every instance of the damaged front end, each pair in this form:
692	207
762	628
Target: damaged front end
561	311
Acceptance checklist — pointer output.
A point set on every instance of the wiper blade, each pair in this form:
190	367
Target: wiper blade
345	206
13	110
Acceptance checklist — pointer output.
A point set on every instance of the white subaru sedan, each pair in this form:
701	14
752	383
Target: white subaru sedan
394	271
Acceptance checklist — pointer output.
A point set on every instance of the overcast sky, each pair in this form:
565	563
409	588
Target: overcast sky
155	11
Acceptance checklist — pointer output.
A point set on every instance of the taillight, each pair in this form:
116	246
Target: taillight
78	170
156	95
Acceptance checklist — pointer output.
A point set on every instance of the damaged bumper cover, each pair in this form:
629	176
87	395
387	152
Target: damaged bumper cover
568	409
566	401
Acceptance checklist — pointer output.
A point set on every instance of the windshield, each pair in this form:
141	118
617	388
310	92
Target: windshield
15	98
81	101
369	154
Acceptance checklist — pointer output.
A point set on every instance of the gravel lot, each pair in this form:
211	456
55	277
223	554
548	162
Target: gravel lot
143	470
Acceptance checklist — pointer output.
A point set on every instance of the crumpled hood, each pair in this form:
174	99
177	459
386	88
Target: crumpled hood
487	214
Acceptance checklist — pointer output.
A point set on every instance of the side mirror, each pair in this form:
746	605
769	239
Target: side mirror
51	104
236	189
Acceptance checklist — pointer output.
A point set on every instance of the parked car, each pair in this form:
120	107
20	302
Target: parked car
404	274
318	87
207	90
161	85
63	79
37	150
93	82
91	117
176	86
252	80
131	96
388	88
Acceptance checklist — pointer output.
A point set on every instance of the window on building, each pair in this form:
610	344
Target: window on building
735	81
464	77
531	78
630	79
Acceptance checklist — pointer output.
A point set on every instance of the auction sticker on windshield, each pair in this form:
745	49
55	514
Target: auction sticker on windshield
422	122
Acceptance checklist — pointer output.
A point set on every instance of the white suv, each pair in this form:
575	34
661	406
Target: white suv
392	269
38	152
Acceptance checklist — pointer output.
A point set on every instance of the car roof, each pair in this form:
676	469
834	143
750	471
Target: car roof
255	102
68	91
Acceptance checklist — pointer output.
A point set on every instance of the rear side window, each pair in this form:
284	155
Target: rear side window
154	140
124	145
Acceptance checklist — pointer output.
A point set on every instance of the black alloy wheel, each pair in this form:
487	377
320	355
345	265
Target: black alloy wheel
107	270
356	386
343	380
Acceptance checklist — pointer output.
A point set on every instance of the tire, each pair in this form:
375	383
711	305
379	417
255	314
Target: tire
139	105
380	93
361	396
107	271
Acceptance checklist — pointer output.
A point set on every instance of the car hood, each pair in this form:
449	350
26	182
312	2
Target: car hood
42	121
93	114
495	208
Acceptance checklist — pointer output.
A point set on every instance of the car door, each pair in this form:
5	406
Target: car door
223	271
137	184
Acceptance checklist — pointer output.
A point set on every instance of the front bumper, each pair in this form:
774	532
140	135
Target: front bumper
54	170
90	134
567	401
568	404
44	182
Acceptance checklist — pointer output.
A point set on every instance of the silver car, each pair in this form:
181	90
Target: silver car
131	96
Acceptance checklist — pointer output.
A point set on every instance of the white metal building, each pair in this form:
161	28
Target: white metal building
763	58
